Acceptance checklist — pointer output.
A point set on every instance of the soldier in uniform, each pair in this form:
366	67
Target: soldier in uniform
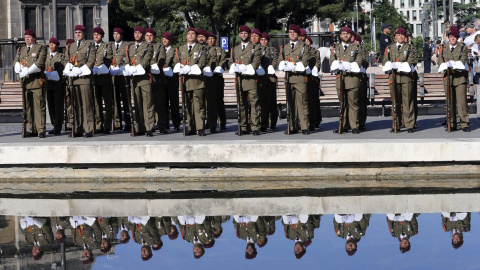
269	62
86	234
68	99
348	52
37	231
299	228
171	82
144	232
125	227
198	231
210	94
158	80
119	83
109	229
79	61
245	59
140	55
313	87
352	228
190	59
262	80
363	101
60	224
455	52
296	55
385	39
102	82
403	226
456	223
252	229
403	53
55	86
219	83
29	64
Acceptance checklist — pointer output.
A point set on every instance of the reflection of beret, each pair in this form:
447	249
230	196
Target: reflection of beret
202	32
173	236
454	32
98	30
30	32
79	28
147	258
157	247
256	31
303	32
191	29
400	31
209	245
347	29
351	252
244	28
300	255
167	35
262	245
294	28
69	41
266	36
139	29
118	30
54	41
211	34
105	250
310	39
151	31
250	256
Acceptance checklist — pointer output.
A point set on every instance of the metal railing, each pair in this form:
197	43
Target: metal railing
8	50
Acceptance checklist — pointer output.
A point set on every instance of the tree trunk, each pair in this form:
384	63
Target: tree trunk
189	20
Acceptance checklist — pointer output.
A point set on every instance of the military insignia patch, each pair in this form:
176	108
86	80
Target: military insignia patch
386	40
351	53
34	54
298	57
404	52
195	54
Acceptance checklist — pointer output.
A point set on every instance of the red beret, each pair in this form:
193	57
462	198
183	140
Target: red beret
303	32
295	28
256	31
30	32
151	31
118	30
347	29
139	29
202	32
358	37
310	39
70	41
266	36
98	30
54	41
211	34
80	28
244	28
61	240
300	255
191	29
408	35
401	31
454	32
167	35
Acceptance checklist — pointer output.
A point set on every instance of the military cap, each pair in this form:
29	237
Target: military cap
39	256
167	35
139	29
244	28
250	256
351	252
79	27
400	31
54	41
211	34
358	37
263	244
192	29
406	249
310	39
408	34
347	29
454	32
256	31
98	30
148	257
303	32
300	255
105	250
30	32
202	32
266	36
60	241
294	28
118	30
386	25
209	245
151	31
157	247
70	41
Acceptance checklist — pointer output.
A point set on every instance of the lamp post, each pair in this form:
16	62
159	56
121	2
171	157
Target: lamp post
284	25
98	21
149	22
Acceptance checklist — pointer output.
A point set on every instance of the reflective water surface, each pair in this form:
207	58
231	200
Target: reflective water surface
443	240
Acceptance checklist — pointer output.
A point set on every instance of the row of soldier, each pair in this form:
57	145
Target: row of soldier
91	233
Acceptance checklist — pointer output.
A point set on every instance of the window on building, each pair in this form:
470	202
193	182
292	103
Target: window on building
473	1
62	23
419	29
402	3
88	21
412	3
31	18
414	15
411	28
408	15
462	2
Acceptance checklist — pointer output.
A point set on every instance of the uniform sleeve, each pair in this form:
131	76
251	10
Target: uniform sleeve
276	58
332	55
175	54
413	57
223	59
108	56
440	53
66	57
318	60
230	60
385	55
42	58
17	53
211	59
59	66
307	56
359	59
464	57
91	57
257	58
162	56
147	58
204	59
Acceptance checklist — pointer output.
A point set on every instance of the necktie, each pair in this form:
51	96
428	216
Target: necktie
453	48
293	45
96	47
189	48
51	56
243	47
117	46
78	44
136	46
399	46
345	47
28	49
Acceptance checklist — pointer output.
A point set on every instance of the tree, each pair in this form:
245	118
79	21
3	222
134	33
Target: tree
466	11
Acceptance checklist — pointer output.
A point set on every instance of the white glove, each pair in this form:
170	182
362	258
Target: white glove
67	69
315	71
114	70
458	65
132	69
177	68
450	64
126	70
186	69
237	69
218	70
18	67
387	66
140	70
76	71
102	69
242	68
23	72
168	72
232	68
271	70
154	69
291	66
207	71
281	65
354	68
405	67
346	66
308	71
195	70
335	65
52	76
394	65
248	70
299	67
85	71
260	71
33	69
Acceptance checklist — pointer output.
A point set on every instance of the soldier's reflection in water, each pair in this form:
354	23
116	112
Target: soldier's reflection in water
403	226
61	223
37	231
124	227
86	234
198	231
300	229
109	230
252	229
351	227
146	234
456	223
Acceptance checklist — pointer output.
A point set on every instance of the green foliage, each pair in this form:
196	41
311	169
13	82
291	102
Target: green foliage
418	43
466	11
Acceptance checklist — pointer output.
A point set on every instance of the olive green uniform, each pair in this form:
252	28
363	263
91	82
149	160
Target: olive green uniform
220	60
459	225
404	97
143	96
255	230
406	228
363	99
201	232
55	90
82	90
262	86
158	86
351	83
271	58
210	93
299	231
194	84
119	83
298	83
251	55
313	90
146	234
32	86
108	226
34	234
458	84
103	88
87	236
171	83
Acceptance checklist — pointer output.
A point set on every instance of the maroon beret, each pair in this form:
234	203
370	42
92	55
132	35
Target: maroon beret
118	30
256	31
295	28
202	32
157	247
400	30
98	30
454	32
211	34
167	35
191	29
266	36
310	39
244	28
79	28
358	37
30	32
408	35
139	29
210	245
303	32
54	41
151	31
61	240
347	29
70	41
147	258
300	255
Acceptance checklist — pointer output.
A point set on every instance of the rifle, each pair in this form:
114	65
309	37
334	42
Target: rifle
449	99
131	93
288	90
342	102
181	80
394	102
24	112
72	104
238	81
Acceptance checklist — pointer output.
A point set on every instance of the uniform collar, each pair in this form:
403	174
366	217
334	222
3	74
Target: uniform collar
99	43
450	46
54	53
193	45
401	44
118	43
294	42
245	44
168	48
346	44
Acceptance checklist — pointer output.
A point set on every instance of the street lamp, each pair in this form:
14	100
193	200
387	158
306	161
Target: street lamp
149	22
98	21
328	21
